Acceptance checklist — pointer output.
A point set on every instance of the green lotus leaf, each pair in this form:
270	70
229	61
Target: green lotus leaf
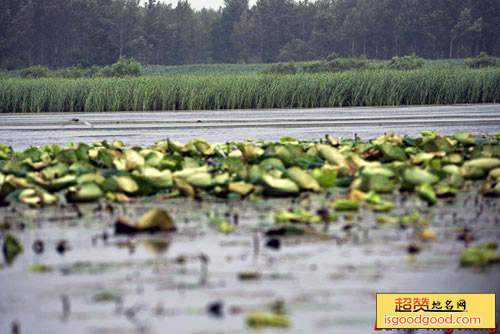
232	165
283	154
472	172
81	167
30	192
457	181
421	157
117	145
480	256
250	151
325	178
175	146
126	184
426	192
493	175
86	192
152	158
429	134
446	191
55	171
96	178
485	164
259	320
185	172
159	179
189	162
298	216
332	155
236	154
355	160
385	219
392	152
378	183
302	178
240	187
156	219
40	164
199	146
344	204
133	159
464	138
451	169
417	176
279	186
37	196
52	184
120	164
289	140
17	182
172	162
11	248
220	179
370	171
383	207
184	186
372	197
199	179
438	144
271	163
277	174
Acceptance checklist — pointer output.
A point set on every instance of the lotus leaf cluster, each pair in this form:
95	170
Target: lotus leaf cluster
432	166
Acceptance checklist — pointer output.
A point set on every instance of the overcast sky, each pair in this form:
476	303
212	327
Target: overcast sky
199	4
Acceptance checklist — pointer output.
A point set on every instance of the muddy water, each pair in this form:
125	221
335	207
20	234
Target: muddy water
165	283
160	283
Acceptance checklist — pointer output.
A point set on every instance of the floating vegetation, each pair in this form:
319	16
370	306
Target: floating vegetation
432	166
155	220
481	255
11	248
267	319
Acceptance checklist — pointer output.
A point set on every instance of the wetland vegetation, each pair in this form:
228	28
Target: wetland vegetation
194	92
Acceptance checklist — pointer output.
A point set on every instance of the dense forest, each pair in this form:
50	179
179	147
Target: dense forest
61	33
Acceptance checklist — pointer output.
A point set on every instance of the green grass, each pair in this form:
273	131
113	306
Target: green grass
231	91
160	70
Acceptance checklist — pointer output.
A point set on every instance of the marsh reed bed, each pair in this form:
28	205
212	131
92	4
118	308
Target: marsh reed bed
231	91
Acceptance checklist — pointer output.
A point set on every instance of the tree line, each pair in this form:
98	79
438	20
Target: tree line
62	33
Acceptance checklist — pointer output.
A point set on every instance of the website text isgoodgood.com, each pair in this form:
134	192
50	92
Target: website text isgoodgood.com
426	321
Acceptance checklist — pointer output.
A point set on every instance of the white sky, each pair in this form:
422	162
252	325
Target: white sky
199	4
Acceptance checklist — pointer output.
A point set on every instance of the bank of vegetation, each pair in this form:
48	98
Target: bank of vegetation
66	33
370	87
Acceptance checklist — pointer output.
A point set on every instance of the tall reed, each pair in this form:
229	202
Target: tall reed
249	91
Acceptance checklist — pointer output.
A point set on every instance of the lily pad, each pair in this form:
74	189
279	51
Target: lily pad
86	192
240	187
426	192
266	319
345	205
302	178
486	164
464	138
383	207
418	176
280	186
126	184
155	220
11	248
480	256
325	178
